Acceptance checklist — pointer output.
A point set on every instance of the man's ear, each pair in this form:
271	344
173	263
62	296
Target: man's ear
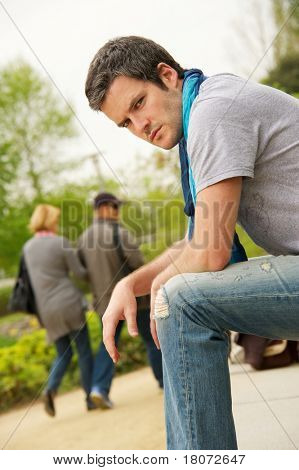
168	75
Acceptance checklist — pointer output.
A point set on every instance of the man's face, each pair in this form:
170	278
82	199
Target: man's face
107	211
148	111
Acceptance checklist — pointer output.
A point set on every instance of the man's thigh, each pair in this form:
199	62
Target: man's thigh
258	297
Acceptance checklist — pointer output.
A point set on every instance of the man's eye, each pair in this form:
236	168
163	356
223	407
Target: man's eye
126	123
139	102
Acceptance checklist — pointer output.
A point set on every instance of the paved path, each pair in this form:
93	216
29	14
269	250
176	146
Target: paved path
137	421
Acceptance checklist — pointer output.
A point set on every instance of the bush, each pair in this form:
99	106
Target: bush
25	364
4	298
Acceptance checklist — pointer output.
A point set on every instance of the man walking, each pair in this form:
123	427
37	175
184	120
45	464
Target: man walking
108	252
239	158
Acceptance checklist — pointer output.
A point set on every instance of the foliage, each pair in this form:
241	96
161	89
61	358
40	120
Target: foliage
11	319
76	213
284	72
286	18
158	173
155	219
4	297
26	363
32	121
13	234
9	160
285	75
6	341
252	250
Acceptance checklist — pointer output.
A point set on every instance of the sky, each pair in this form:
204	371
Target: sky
60	37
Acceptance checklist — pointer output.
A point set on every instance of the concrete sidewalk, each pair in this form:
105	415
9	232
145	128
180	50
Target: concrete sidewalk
266	408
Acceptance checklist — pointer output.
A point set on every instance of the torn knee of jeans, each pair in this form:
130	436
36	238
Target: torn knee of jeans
266	266
161	304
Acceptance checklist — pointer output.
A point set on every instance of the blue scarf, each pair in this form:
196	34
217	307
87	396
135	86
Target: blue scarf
193	78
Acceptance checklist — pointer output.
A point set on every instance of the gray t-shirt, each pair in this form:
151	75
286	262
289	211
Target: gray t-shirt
241	128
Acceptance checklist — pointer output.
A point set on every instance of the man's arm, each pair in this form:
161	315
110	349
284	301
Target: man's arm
215	220
210	248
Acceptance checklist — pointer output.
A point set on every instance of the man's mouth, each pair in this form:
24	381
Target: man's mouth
154	133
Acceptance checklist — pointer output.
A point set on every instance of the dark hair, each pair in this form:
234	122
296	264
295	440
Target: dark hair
107	199
130	56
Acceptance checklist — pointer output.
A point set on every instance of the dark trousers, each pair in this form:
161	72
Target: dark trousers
104	368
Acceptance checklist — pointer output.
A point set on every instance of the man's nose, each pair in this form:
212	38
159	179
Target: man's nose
142	126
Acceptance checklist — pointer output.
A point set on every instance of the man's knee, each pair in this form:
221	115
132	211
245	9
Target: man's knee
171	295
188	297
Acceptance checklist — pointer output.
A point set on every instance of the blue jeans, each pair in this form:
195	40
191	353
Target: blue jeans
104	368
194	312
64	356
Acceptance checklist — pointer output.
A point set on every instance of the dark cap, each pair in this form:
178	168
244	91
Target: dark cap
106	198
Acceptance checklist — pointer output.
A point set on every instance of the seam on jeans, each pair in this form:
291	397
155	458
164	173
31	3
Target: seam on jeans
216	327
263	296
185	368
190	421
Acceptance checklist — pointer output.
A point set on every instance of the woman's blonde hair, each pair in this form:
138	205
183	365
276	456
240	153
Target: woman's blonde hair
44	217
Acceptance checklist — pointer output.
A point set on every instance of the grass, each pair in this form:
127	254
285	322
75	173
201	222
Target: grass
6	341
12	318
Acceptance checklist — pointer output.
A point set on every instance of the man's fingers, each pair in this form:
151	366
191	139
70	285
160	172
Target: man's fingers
108	339
132	322
154	333
153	321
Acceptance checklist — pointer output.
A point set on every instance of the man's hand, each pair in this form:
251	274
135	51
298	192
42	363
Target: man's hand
122	306
154	291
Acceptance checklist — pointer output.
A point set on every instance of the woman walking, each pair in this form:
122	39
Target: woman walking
50	259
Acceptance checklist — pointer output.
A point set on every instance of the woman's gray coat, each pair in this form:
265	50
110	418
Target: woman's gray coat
62	306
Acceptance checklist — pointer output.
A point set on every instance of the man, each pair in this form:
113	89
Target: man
239	156
109	253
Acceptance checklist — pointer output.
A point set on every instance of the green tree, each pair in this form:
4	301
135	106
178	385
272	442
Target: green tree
8	166
286	18
284	73
32	122
74	200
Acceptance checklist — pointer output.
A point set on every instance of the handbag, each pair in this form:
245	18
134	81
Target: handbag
262	353
22	298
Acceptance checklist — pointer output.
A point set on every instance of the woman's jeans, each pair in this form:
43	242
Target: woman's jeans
193	314
64	356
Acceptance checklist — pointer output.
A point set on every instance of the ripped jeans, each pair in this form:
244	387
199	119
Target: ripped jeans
193	313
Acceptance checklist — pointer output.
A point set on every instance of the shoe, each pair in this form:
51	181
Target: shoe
48	399
101	400
90	404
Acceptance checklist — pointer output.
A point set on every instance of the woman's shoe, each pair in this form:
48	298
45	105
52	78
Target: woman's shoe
90	404
48	399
